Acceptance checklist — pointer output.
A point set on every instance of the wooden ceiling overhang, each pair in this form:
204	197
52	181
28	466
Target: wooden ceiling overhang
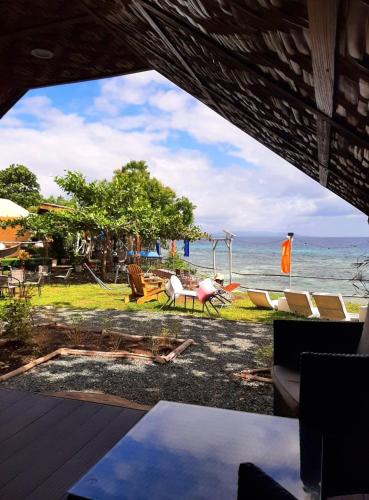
293	74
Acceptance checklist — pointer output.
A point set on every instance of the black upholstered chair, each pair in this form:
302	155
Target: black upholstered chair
334	415
318	353
321	374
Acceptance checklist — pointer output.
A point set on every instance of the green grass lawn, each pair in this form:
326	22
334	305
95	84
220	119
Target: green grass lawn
91	296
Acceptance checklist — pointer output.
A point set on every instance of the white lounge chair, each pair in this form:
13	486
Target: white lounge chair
332	306
174	289
261	299
300	303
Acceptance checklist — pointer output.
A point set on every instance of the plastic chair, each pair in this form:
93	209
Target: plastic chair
331	306
261	299
206	292
174	289
300	303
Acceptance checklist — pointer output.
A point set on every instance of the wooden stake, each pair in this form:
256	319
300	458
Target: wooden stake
177	350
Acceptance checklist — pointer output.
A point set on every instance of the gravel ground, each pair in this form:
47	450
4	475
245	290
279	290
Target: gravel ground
202	375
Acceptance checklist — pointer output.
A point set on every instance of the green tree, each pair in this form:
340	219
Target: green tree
132	203
58	200
19	184
153	210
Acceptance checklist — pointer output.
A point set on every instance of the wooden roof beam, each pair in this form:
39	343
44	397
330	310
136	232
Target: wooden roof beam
323	27
242	63
215	97
254	120
218	98
168	43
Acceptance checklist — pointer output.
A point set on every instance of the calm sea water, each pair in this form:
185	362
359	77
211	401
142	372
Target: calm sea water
314	257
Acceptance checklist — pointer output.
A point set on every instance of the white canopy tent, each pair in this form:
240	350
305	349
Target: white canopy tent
10	210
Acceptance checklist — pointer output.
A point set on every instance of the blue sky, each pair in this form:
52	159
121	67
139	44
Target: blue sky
236	183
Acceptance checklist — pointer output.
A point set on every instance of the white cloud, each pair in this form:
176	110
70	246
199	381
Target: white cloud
135	89
139	117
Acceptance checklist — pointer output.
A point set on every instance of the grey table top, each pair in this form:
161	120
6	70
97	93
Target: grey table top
191	452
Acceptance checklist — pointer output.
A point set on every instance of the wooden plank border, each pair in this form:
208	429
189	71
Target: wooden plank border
31	364
64	351
100	398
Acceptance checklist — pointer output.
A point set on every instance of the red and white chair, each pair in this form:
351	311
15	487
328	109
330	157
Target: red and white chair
206	293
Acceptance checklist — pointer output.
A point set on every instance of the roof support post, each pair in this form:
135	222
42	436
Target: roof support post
323	27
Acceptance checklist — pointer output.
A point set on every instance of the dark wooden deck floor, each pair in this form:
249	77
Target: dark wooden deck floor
48	443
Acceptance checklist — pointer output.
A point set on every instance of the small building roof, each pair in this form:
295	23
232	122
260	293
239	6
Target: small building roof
10	209
51	207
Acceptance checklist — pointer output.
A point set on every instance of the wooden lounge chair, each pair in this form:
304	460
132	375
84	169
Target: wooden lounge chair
143	290
261	299
300	303
332	306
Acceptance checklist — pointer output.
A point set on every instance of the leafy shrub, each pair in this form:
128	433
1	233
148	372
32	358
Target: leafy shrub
76	334
176	262
116	339
10	262
17	318
107	324
166	336
31	264
175	328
